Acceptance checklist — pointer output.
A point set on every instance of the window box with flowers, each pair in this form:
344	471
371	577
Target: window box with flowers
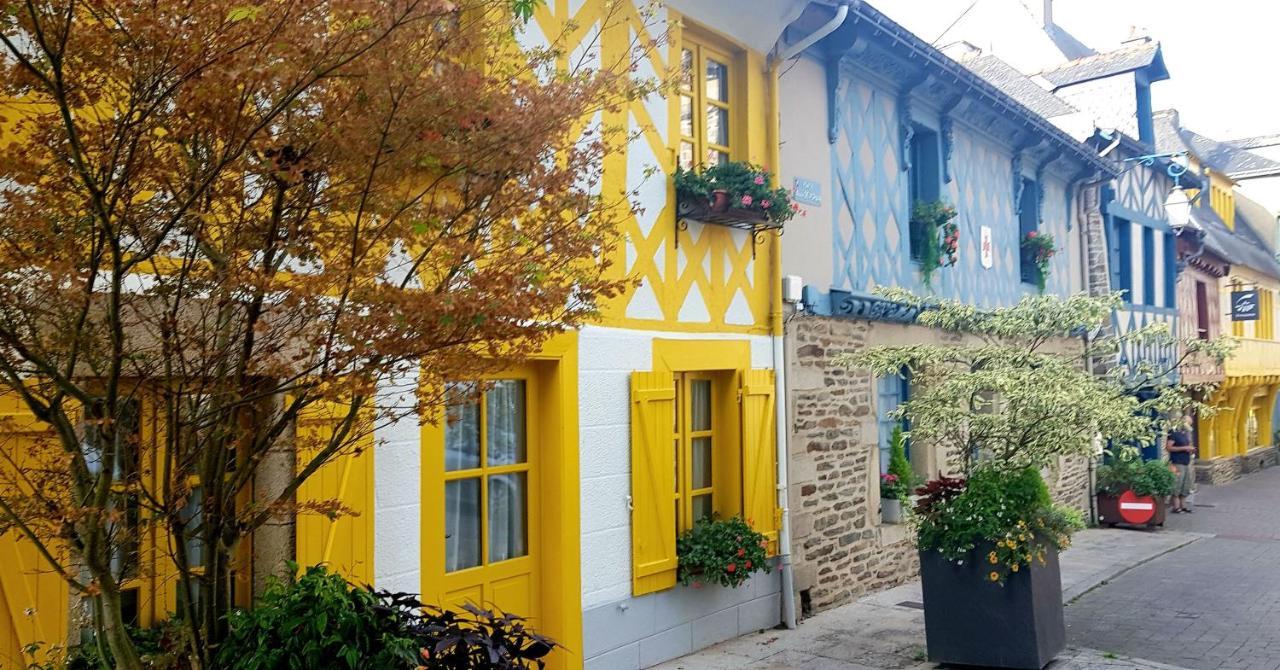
733	194
935	237
721	551
1038	250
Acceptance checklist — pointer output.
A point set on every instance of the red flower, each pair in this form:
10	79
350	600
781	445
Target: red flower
741	552
748	565
1031	235
732	567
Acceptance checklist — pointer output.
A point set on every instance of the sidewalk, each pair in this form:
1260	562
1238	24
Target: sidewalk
885	631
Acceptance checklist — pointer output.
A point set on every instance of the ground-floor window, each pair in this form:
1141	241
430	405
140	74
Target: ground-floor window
486	474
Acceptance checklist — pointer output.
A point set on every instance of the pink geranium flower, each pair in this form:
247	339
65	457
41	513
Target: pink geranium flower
746	200
764	204
759	180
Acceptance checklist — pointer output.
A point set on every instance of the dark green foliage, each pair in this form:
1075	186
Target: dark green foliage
318	620
1126	471
165	646
721	551
904	478
934	237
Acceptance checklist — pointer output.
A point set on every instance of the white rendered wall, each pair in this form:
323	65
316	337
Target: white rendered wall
397	487
607	357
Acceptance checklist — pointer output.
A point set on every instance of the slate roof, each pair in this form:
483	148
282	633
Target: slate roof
1125	59
1018	86
1242	246
1224	157
1256	142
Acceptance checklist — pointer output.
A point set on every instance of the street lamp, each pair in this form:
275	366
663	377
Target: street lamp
1177	208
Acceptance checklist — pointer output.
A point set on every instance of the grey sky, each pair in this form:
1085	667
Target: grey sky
1221	55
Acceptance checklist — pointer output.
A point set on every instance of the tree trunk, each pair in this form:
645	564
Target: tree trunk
113	628
274	541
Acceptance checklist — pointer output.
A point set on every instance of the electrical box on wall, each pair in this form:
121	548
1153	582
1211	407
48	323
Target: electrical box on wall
792	289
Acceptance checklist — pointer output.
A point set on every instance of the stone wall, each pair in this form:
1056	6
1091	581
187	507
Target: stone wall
841	549
1226	470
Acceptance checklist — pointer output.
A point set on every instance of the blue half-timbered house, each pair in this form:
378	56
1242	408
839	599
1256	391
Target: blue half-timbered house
902	125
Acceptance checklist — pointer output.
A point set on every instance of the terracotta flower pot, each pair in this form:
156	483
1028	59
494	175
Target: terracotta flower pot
719	201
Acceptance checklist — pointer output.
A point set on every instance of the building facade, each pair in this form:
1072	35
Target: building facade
1240	438
902	124
551	494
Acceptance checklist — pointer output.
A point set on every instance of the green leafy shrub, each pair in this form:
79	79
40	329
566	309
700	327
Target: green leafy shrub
747	186
1126	471
1006	513
318	620
900	479
721	551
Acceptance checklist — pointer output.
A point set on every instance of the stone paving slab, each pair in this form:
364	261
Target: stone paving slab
885	631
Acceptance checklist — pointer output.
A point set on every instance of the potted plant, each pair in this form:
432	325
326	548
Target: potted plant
1038	250
896	484
1007	398
733	193
935	237
1132	491
720	551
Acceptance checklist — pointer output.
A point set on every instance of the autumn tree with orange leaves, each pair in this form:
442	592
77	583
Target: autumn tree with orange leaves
218	216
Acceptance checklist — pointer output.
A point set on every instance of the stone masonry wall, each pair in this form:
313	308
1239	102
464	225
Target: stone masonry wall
841	549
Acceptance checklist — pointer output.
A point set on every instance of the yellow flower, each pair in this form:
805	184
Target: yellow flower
992	557
1015	567
995	577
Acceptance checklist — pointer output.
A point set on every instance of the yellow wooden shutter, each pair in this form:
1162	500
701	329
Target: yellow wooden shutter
653	481
759	455
343	543
34	600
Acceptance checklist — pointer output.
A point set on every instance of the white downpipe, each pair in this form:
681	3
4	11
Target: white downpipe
784	527
827	28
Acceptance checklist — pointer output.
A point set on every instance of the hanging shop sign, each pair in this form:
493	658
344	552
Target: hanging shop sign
1244	305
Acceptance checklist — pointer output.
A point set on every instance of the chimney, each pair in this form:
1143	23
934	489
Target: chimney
1047	16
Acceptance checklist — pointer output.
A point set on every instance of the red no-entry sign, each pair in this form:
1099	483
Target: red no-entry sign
1137	509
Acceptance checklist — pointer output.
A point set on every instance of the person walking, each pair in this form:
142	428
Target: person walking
1181	450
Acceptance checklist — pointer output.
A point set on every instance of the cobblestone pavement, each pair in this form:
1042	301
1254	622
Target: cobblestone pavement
1212	605
886	632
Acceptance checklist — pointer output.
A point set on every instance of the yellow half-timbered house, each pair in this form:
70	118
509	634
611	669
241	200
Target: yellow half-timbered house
1241	437
559	492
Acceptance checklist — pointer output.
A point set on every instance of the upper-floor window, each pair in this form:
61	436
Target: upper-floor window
1028	222
923	182
707	85
1202	310
1122	257
1149	296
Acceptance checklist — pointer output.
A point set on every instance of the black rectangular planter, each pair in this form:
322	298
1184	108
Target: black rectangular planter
970	620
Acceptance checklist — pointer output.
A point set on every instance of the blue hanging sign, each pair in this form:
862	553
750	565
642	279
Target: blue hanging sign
1244	305
807	192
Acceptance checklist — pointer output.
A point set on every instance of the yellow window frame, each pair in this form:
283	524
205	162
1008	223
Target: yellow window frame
693	86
